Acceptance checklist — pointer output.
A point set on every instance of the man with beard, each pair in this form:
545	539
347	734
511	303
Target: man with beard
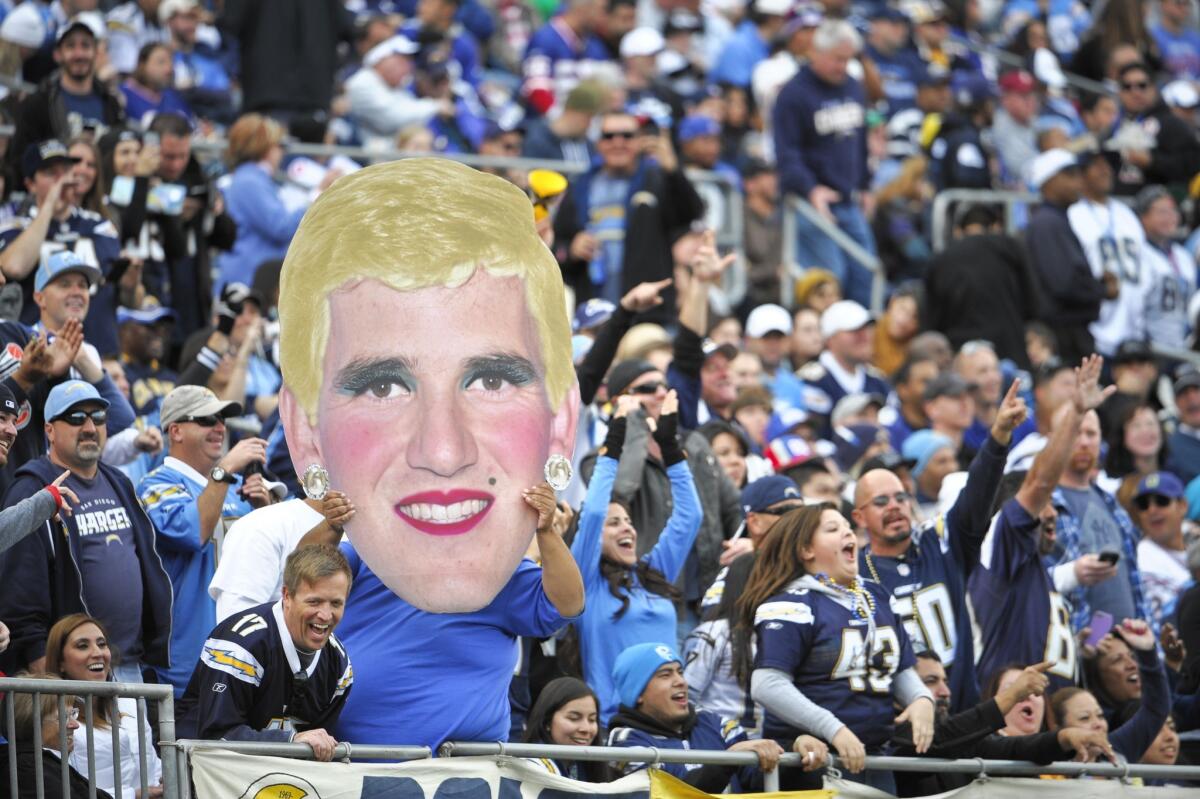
1097	569
1021	612
101	560
655	712
926	569
70	99
974	732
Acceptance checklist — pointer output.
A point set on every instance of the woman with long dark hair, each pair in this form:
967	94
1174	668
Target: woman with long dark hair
630	600
567	713
832	657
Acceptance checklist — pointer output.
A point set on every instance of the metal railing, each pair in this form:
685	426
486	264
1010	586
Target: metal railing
793	270
942	225
162	695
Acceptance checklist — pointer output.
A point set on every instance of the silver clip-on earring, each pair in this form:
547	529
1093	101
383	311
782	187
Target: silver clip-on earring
315	481
558	472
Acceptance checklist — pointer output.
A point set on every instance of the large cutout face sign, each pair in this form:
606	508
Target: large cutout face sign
426	359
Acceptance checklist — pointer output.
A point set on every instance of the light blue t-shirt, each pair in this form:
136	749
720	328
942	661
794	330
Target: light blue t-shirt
424	678
606	202
1099	531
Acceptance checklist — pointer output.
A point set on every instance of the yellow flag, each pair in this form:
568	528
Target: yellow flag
664	786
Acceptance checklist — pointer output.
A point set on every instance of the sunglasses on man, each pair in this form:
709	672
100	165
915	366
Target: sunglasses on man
79	418
1159	501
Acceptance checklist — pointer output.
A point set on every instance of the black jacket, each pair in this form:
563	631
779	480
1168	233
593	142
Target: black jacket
1071	293
288	51
982	287
1174	160
41	577
659	206
959	158
970	734
43	115
51	775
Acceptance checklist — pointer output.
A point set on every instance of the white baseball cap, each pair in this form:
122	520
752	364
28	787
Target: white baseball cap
1049	164
24	27
397	45
642	41
1180	94
843	316
170	8
768	318
775	8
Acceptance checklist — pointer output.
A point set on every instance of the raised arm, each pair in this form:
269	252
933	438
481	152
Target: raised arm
590	531
561	578
671	551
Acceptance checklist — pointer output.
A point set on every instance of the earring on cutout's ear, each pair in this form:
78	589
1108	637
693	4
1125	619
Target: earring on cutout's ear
557	472
315	481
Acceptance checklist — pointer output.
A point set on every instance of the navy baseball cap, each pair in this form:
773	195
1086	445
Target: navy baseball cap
698	125
972	89
767	491
60	263
933	75
150	315
1164	484
8	402
886	12
592	313
67	395
43	154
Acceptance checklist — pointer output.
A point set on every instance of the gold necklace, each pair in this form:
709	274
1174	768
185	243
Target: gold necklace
864	603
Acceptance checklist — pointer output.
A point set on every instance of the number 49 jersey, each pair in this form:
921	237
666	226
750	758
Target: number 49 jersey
833	658
251	686
1113	240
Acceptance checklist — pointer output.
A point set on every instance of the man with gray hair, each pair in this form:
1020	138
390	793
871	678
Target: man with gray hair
821	149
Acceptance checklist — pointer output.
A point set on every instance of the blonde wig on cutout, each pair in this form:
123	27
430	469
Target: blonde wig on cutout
414	224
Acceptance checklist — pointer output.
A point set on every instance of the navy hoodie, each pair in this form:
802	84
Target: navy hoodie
41	577
820	135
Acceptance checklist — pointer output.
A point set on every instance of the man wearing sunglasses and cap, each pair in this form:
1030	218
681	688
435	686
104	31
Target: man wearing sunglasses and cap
102	559
192	498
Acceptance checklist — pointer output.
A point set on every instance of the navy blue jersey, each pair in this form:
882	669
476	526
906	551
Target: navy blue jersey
1021	617
709	732
824	646
250	684
148	384
94	239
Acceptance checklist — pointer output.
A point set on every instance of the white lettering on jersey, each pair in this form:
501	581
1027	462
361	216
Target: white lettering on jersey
794	612
843	119
111	520
852	662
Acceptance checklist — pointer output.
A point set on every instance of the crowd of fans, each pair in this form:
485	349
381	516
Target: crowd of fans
965	526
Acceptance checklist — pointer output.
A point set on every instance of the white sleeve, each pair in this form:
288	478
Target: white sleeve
1065	580
119	449
386	111
250	569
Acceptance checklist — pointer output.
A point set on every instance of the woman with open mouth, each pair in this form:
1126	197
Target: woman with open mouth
77	649
630	601
1077	707
567	713
832	656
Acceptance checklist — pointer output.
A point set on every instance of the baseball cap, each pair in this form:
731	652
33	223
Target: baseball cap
8	402
844	316
642	41
1162	483
711	348
24	27
146	315
787	451
625	373
698	125
887	13
1049	164
807	16
851	442
888	459
774	8
921	446
185	401
1017	81
89	21
933	75
768	318
1181	94
926	11
170	8
636	665
768	491
854	404
592	313
1188	377
60	263
397	45
971	89
43	154
1132	351
67	395
947	384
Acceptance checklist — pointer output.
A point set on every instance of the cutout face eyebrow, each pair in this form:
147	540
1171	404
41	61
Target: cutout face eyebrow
516	369
361	373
